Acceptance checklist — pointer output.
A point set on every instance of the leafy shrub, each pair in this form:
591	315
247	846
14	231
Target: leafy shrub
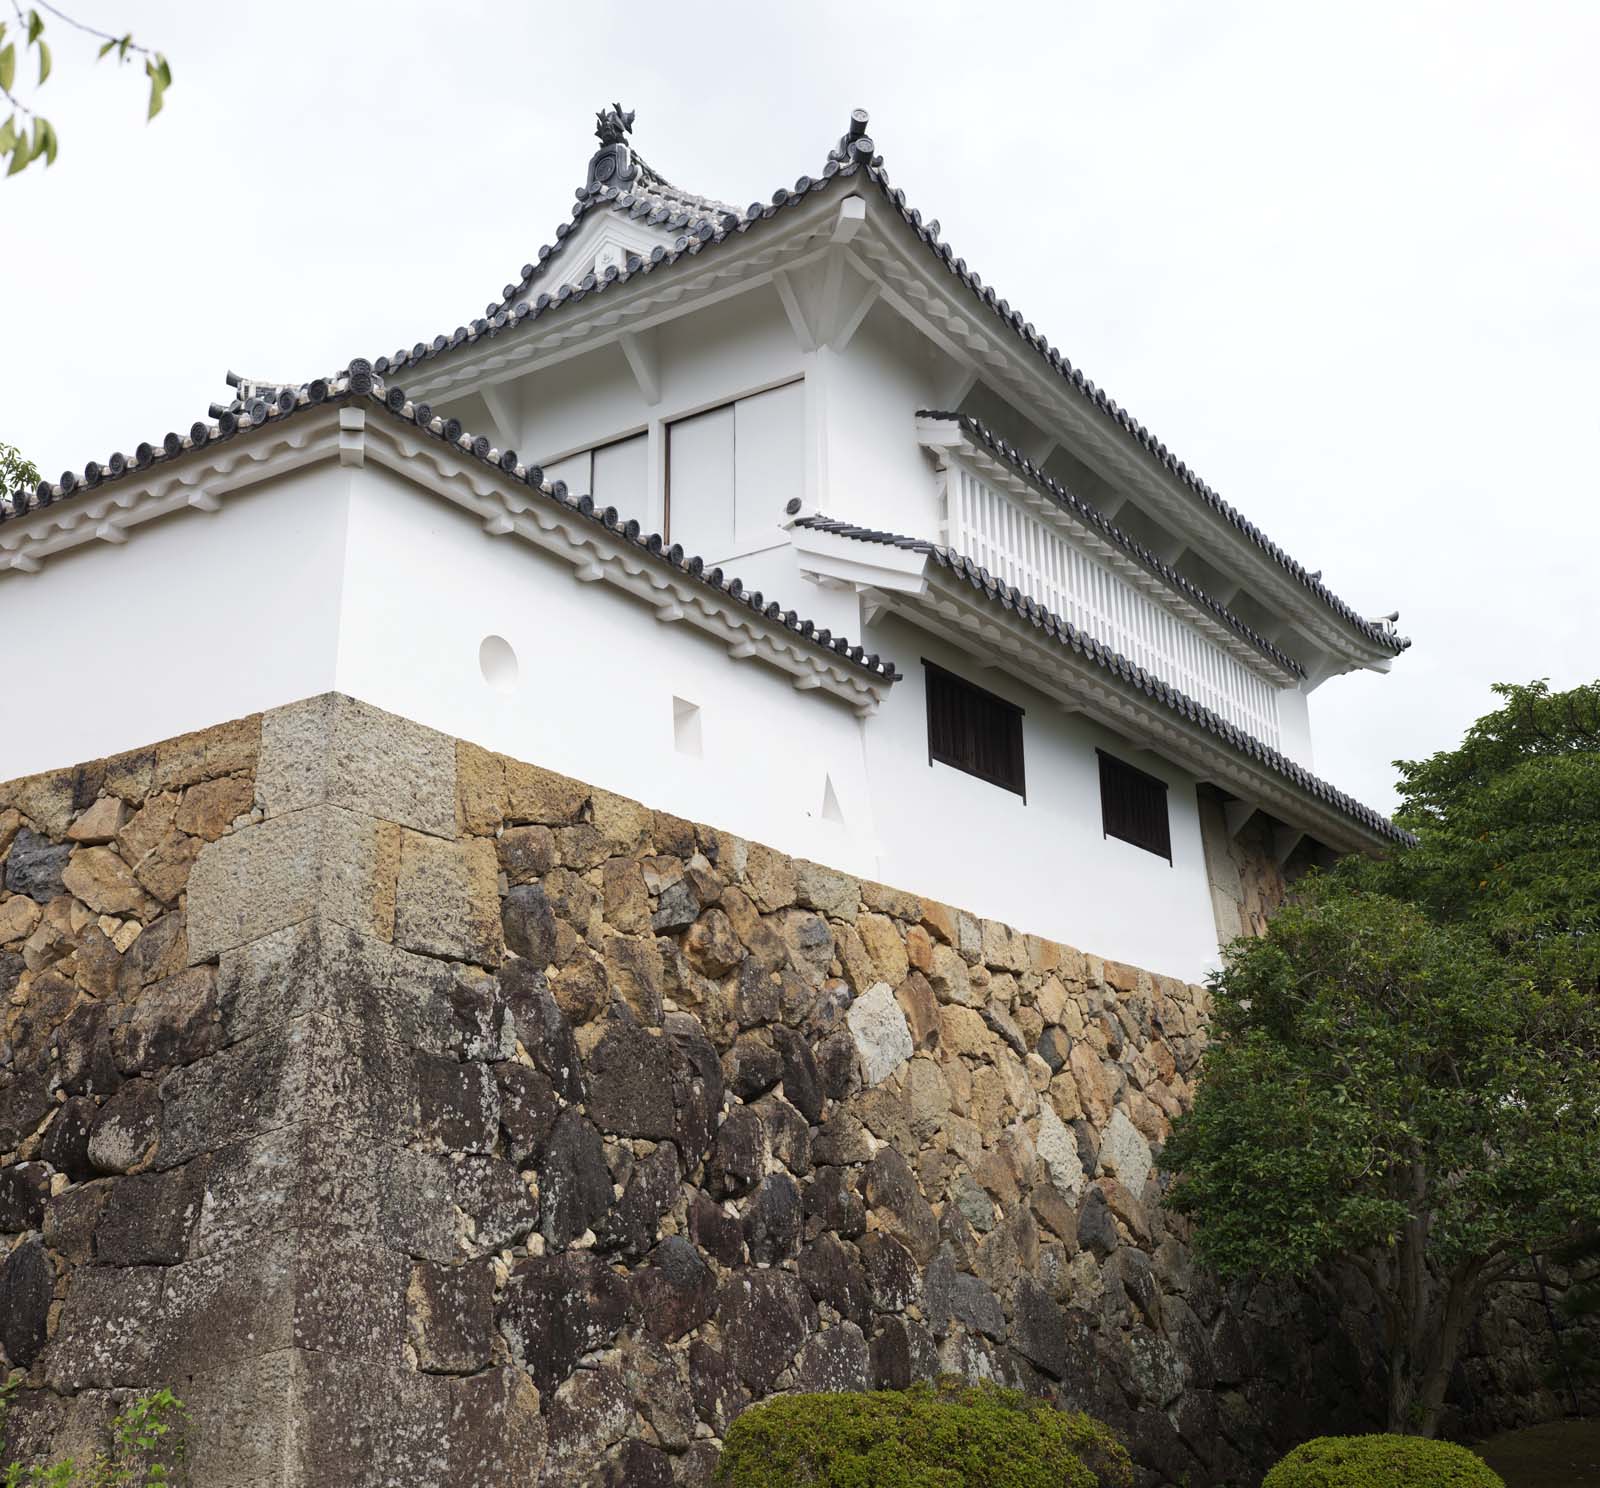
945	1436
138	1446
1381	1462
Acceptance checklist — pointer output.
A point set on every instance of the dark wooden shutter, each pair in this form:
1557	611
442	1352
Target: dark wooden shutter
974	731
1133	806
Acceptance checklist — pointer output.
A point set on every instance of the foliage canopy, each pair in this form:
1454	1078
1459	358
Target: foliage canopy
944	1436
1381	1462
1405	1073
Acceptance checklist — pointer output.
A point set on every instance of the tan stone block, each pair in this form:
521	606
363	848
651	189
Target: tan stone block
1003	948
928	1094
1029	1024
480	790
334	750
211	807
950	977
541	796
963	1033
989	1099
318	863
45	799
1094	1089
447	900
1020	1094
100	823
148	827
939	920
836	895
627	904
104	882
755	934
881	936
959	1078
882	900
919	949
225	749
10	824
1043	955
1063	1096
131	775
623	825
921	1008
1039	1074
859	969
19	916
969	936
963	1137
164	871
1052	1001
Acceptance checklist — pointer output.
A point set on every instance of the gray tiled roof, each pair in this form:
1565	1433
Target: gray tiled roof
702	224
1066	497
1012	599
360	383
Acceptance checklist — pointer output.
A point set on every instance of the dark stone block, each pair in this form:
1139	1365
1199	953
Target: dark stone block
34	866
481	1025
458	1105
834	1276
66	1141
890	1188
697	1088
834	1360
529	924
108	1328
719	1234
27	1284
787	1134
765	1317
675	1290
450	1316
70	1219
718	1395
802	1082
772	1220
833	1204
127	1128
636	1464
85	1064
493	1194
24	1187
555	1309
630	1083
651	1190
756	997
542	1027
953	1295
1097	1229
754	1066
890	1356
150	1218
173	1022
676	909
574	1182
1038	1334
1054	1047
590	1414
739	1158
893	1282
528	1110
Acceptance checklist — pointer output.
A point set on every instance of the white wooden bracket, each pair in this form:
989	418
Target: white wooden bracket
644	361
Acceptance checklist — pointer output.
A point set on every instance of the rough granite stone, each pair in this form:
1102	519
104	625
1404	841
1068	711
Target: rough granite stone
881	1033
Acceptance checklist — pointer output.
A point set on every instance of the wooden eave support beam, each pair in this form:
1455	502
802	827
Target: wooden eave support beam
642	349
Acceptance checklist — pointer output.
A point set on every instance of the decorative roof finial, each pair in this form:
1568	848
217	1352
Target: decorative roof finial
613	125
612	164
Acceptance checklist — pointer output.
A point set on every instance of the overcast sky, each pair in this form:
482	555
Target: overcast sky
1341	258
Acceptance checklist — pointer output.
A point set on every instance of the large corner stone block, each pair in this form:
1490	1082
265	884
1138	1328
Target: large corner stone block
448	900
321	862
332	750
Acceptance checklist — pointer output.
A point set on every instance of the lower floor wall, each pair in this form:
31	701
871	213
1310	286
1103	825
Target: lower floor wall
417	1114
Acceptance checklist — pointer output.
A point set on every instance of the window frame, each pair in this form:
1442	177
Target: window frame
1111	763
1013	711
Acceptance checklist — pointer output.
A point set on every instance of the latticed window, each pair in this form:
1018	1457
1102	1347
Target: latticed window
974	731
1133	806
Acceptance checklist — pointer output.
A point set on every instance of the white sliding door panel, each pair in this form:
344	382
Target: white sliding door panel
575	470
768	461
620	476
700	483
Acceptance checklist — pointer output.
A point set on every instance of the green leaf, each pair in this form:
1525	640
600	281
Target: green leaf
19	155
8	65
8	135
44	61
160	76
103	50
35	26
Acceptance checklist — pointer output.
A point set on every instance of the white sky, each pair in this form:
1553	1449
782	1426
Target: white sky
1341	258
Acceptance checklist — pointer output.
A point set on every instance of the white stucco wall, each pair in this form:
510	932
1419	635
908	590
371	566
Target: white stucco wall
198	619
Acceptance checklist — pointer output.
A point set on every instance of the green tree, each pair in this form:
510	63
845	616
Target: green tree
1405	1071
25	134
17	471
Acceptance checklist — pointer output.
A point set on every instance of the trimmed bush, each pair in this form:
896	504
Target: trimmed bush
1381	1462
945	1436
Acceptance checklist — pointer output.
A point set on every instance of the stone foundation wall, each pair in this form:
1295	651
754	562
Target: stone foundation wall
419	1115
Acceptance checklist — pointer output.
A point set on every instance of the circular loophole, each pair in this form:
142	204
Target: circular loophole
498	663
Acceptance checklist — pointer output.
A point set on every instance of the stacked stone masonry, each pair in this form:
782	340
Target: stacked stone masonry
418	1115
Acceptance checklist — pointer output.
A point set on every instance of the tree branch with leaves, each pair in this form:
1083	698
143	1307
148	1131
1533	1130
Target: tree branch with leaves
26	135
